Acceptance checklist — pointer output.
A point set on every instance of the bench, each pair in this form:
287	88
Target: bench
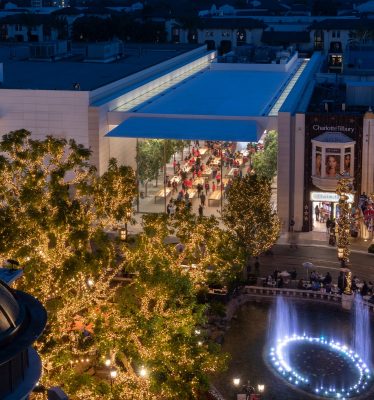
215	196
162	193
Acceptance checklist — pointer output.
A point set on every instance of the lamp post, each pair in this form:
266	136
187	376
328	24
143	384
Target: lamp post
261	389
113	375
123	233
143	372
247	389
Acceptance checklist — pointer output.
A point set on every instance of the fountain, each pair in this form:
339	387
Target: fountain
320	364
361	338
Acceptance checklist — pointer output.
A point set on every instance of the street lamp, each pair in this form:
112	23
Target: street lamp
143	372
247	389
260	389
113	375
107	362
123	233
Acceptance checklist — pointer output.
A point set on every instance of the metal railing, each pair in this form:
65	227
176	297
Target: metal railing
254	291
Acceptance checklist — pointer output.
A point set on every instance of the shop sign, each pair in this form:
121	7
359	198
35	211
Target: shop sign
329	197
332	128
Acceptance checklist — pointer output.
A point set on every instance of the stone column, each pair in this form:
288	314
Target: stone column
367	183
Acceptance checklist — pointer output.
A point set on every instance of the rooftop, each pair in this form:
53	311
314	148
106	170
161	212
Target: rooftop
228	92
63	74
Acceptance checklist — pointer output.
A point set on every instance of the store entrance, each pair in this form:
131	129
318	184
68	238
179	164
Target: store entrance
322	210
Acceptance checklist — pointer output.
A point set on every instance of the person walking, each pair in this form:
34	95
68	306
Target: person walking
207	187
199	190
201	211
202	199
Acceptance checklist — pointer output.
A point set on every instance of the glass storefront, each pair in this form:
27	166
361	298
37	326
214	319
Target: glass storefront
180	173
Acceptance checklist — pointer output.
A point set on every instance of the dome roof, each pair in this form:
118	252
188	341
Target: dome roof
333	137
11	314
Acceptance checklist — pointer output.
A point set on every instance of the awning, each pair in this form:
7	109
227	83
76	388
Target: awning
187	128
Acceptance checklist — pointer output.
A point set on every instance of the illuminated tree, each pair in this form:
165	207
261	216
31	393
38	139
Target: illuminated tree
249	215
265	162
152	154
52	211
344	221
163	315
113	194
49	222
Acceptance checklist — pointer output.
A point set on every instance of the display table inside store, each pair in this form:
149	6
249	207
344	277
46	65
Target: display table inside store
207	172
192	193
233	172
186	168
203	151
214	196
176	178
196	181
216	161
161	194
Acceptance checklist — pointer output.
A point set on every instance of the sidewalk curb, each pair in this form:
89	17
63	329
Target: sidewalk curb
325	247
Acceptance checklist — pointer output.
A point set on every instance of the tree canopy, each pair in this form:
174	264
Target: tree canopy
248	213
130	304
265	161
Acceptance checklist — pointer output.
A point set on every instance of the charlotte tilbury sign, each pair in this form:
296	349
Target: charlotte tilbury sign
332	128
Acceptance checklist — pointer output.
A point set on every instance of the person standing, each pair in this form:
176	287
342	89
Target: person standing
202	199
201	211
292	224
317	212
207	187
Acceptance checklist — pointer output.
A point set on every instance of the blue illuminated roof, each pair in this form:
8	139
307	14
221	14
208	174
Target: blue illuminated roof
187	128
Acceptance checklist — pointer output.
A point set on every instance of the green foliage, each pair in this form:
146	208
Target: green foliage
249	215
150	159
52	213
152	154
265	162
113	194
163	319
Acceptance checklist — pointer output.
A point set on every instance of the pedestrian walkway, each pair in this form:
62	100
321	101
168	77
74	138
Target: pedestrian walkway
320	239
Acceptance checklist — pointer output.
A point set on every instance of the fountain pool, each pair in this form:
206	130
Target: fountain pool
251	337
325	366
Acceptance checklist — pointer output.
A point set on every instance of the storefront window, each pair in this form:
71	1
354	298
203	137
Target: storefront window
331	159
